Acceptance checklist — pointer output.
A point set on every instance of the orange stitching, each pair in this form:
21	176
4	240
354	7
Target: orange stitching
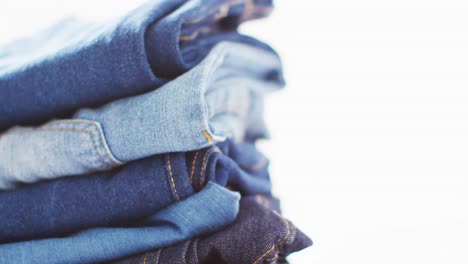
294	231
293	235
104	144
144	258
259	199
286	225
213	10
285	222
193	166
172	178
195	34
262	201
264	254
90	134
249	12
208	137
273	258
101	136
203	167
219	12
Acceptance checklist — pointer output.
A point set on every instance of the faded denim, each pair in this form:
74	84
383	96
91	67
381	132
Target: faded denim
76	64
221	97
129	193
207	211
259	235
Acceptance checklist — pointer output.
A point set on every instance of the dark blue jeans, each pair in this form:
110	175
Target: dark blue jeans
123	196
259	235
74	65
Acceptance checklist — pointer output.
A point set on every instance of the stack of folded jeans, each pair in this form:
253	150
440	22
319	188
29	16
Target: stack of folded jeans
133	140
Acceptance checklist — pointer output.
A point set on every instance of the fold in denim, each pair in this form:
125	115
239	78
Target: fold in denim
221	97
259	235
126	194
78	64
207	211
205	23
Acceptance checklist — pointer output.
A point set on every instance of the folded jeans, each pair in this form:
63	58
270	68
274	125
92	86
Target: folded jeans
221	97
77	64
209	210
259	235
125	195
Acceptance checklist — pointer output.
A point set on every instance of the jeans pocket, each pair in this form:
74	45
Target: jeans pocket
58	148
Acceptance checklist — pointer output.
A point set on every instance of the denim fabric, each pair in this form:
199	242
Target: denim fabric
76	64
221	97
127	194
209	210
259	235
204	23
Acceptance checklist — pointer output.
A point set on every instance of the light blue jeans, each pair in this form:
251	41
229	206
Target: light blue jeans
207	211
219	98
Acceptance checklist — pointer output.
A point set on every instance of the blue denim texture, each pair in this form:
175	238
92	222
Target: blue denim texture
221	97
77	64
205	23
207	211
259	235
125	195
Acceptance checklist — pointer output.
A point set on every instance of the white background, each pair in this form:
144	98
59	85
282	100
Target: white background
370	146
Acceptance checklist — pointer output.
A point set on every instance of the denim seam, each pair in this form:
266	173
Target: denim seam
195	34
263	255
222	10
177	197
193	166
207	72
213	10
208	136
156	257
293	235
273	258
251	9
90	134
275	245
287	240
184	256
98	132
250	12
195	247
203	165
264	202
145	256
286	223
